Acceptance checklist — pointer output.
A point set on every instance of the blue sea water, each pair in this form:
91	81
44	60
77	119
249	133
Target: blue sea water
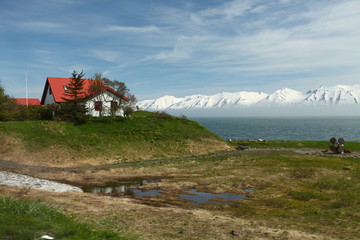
302	129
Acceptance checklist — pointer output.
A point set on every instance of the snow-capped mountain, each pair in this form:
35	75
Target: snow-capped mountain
336	95
221	100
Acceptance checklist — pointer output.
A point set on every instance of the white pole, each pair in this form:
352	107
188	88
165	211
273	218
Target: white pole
26	90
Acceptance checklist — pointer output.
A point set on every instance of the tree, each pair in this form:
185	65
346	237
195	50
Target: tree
75	89
121	88
8	106
96	93
74	108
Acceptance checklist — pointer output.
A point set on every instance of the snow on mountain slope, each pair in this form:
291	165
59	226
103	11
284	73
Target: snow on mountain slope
160	103
283	96
336	95
339	94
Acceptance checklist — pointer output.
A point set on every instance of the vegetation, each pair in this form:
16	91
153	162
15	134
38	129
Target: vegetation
30	220
8	106
11	111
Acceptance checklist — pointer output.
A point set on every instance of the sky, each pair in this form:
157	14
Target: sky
180	47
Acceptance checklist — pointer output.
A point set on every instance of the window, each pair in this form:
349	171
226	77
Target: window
98	106
50	91
66	88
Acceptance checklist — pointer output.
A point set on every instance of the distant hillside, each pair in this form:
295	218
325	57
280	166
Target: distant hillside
144	136
336	95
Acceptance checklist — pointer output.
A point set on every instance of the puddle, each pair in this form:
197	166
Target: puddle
130	188
196	197
124	188
140	193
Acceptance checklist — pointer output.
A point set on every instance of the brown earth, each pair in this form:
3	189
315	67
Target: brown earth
14	150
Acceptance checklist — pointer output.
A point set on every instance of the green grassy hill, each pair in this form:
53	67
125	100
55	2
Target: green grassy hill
143	136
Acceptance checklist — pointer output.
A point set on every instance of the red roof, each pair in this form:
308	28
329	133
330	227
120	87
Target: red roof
30	101
57	86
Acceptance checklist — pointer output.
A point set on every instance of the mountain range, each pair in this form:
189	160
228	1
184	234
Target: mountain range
336	95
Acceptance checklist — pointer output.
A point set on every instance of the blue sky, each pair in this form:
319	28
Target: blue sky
179	47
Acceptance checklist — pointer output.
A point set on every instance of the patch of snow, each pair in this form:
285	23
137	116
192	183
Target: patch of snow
23	181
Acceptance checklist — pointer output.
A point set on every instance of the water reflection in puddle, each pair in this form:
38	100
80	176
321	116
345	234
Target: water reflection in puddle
196	197
140	193
124	188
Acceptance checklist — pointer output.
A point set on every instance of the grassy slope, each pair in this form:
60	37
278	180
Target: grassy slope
143	136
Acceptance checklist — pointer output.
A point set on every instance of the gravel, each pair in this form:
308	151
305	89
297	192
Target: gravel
23	181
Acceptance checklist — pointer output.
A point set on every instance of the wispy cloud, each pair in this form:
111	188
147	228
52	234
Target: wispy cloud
130	29
41	26
311	44
109	56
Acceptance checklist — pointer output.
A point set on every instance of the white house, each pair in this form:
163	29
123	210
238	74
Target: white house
104	103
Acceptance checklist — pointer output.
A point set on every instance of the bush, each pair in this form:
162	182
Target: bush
73	112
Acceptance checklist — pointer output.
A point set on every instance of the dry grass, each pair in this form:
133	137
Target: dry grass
147	222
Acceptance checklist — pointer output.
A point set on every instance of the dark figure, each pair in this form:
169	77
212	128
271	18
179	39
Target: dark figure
337	146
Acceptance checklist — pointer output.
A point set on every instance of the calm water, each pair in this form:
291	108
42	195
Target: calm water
317	129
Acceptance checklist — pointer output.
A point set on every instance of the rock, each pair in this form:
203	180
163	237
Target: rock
234	233
46	237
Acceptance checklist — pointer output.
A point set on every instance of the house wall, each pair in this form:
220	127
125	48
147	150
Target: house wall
106	98
49	98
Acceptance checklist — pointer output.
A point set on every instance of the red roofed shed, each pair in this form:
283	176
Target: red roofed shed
29	101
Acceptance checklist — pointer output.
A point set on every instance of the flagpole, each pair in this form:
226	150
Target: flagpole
26	88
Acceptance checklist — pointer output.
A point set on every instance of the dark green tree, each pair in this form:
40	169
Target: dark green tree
74	107
75	90
8	107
